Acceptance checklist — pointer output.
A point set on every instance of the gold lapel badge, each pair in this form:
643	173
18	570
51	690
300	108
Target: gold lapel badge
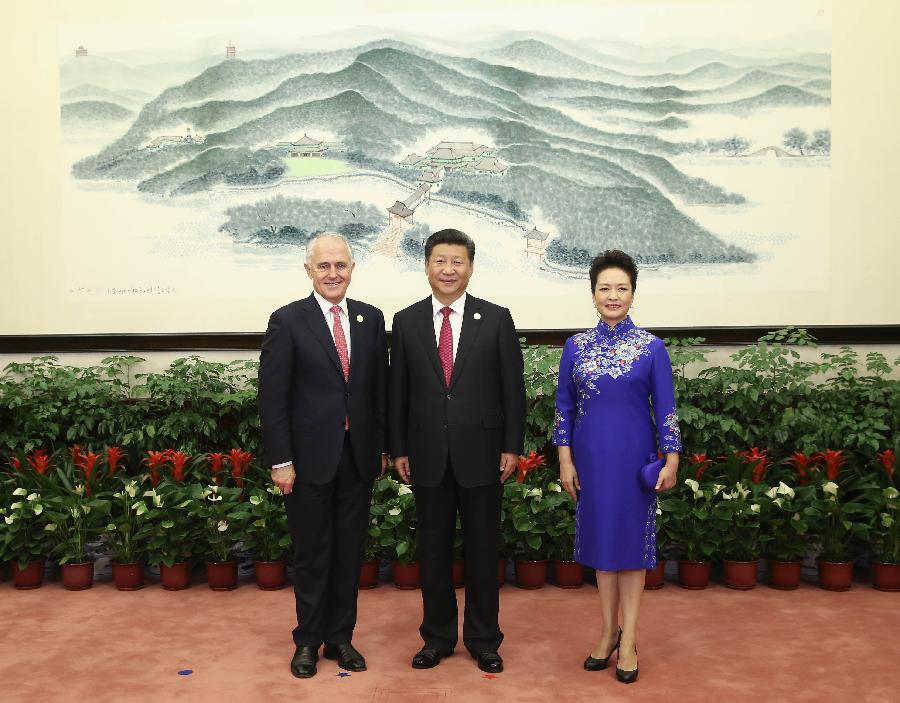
359	318
477	315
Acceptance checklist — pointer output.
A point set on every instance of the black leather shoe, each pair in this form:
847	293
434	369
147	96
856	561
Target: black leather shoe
627	676
303	663
347	657
489	662
428	658
595	664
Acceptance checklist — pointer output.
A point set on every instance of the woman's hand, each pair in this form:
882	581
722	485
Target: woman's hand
667	476
569	479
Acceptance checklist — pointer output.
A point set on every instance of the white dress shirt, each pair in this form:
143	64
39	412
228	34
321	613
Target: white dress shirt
458	307
329	318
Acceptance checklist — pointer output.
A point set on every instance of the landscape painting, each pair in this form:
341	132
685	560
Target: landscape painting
195	176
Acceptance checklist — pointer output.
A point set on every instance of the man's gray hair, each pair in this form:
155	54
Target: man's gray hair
331	235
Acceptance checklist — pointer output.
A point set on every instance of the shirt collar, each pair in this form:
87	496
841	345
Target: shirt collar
623	326
326	305
458	306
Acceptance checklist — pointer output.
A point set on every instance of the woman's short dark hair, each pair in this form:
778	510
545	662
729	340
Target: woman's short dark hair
613	259
450	236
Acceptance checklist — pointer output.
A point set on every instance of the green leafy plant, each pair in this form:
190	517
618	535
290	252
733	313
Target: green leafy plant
785	527
128	525
26	535
737	512
839	514
172	530
394	520
541	372
694	528
266	533
76	519
221	517
532	519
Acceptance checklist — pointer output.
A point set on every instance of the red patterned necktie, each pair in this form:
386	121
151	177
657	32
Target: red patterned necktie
340	342
445	345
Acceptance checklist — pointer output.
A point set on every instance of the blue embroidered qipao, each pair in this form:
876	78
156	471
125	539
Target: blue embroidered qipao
608	379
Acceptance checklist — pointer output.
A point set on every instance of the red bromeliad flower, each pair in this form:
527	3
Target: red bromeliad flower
16	463
155	461
834	459
802	466
114	456
761	459
240	460
39	461
887	459
178	459
75	452
528	464
215	466
87	462
700	463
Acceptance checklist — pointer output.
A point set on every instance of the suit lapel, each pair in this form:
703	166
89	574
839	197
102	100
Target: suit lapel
425	321
357	329
471	326
318	325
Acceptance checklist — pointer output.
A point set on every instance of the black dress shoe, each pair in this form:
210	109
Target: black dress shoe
489	662
303	663
595	664
428	658
627	676
347	657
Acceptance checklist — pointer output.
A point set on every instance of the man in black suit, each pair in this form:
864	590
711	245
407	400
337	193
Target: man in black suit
322	403
457	422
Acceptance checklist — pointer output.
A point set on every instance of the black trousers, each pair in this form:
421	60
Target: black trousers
328	525
479	511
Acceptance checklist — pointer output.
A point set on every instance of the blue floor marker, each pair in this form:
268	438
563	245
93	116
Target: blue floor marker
185	672
342	674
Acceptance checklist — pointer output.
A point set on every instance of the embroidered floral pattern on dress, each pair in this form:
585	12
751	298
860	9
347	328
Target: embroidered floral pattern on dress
670	438
650	536
560	433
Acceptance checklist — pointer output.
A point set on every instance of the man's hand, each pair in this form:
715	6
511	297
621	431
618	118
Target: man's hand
401	463
508	463
283	477
384	465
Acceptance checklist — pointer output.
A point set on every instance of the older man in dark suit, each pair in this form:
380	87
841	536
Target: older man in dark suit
457	423
322	403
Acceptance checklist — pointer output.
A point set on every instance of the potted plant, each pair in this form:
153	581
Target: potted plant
25	538
654	579
220	515
784	533
531	513
172	533
693	530
839	514
885	535
127	531
382	492
397	529
268	536
75	518
567	573
737	513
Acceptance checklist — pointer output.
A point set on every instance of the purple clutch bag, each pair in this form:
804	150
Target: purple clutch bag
650	473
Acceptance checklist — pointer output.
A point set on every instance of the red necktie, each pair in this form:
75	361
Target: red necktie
340	342
445	345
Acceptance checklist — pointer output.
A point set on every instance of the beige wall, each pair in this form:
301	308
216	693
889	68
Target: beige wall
862	287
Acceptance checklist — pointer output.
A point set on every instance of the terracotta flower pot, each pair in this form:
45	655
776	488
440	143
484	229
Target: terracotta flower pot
784	575
501	572
885	577
406	576
741	575
368	575
693	575
568	574
270	575
175	577
835	575
128	577
78	576
655	577
32	576
531	574
221	575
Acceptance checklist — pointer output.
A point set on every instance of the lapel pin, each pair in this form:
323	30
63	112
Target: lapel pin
359	318
477	315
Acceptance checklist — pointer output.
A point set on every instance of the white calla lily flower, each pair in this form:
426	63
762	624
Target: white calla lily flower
754	508
17	505
404	490
32	497
255	500
692	484
394	511
20	492
830	488
222	526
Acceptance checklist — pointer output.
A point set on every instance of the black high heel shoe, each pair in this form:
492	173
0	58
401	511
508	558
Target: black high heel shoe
627	676
594	664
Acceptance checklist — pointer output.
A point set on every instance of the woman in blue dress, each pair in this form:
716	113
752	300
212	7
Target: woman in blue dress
615	408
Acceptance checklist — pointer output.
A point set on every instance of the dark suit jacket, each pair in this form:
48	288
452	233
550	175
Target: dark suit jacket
479	416
304	401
